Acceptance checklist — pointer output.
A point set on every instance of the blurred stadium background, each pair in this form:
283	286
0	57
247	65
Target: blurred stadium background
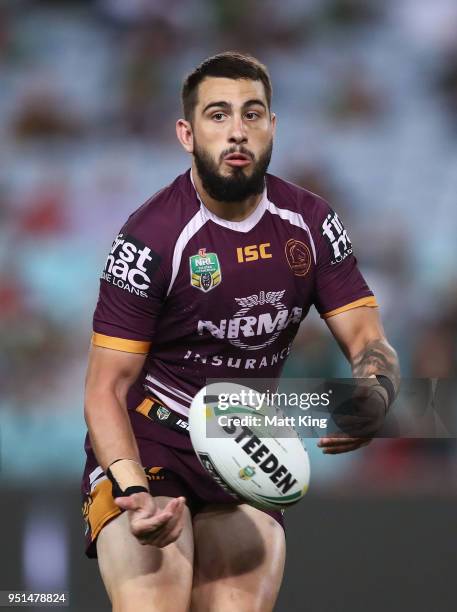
366	97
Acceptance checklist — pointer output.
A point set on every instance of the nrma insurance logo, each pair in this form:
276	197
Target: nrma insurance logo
131	265
257	323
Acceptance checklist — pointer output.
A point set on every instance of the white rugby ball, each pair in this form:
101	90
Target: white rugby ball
246	458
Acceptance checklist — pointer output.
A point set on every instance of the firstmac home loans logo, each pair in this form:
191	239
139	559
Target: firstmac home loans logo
334	231
131	265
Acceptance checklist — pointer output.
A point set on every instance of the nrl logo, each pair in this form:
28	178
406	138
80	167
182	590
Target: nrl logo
246	473
205	270
163	413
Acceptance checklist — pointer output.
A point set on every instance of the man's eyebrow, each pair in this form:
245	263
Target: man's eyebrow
227	105
255	101
220	104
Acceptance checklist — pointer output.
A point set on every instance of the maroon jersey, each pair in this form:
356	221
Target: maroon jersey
209	298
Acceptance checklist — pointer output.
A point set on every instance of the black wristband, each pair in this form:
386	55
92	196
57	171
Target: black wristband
118	492
136	489
388	385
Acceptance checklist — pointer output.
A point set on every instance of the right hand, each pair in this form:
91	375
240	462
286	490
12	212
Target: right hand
364	414
151	524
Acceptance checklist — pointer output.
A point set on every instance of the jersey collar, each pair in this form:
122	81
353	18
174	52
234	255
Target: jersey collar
239	226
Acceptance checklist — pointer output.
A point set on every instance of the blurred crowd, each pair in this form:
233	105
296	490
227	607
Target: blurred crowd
366	97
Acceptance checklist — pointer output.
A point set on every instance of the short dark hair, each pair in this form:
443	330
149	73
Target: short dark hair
230	65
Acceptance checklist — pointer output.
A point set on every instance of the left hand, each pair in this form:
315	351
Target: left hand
151	524
359	418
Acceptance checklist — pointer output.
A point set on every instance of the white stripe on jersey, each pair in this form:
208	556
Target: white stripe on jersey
204	215
169	402
96	477
189	230
97	482
293	218
238	226
181	394
95	474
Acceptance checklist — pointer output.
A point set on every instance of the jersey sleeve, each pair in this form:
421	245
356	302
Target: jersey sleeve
340	285
132	291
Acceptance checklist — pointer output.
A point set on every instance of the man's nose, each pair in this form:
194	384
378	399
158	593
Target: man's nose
238	132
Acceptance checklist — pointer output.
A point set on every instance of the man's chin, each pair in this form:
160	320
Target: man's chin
231	183
229	171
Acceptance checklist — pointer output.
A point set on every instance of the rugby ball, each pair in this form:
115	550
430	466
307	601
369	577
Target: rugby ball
243	451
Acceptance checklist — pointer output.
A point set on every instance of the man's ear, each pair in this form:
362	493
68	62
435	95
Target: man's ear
273	122
185	134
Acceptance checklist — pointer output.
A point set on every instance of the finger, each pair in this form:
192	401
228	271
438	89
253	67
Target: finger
163	535
354	443
337	441
170	531
169	539
335	450
166	538
149	535
142	526
160	521
177	510
123	503
170	513
131	502
175	504
340	449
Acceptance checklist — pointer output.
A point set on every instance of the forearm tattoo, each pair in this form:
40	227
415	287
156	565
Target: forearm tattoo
378	357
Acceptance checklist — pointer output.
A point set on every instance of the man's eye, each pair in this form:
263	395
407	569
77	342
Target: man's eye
218	116
252	115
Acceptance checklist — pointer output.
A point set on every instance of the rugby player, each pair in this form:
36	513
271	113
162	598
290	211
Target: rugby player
210	278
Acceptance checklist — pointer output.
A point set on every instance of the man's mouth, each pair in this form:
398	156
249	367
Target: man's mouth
237	160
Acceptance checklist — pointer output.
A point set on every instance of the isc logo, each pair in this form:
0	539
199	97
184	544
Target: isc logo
253	252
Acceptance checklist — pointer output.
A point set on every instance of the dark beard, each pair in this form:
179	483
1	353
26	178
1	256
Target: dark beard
236	187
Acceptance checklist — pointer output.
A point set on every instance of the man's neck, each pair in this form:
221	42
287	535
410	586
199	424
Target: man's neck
230	211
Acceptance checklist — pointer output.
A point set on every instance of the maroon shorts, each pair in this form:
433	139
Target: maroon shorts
172	472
